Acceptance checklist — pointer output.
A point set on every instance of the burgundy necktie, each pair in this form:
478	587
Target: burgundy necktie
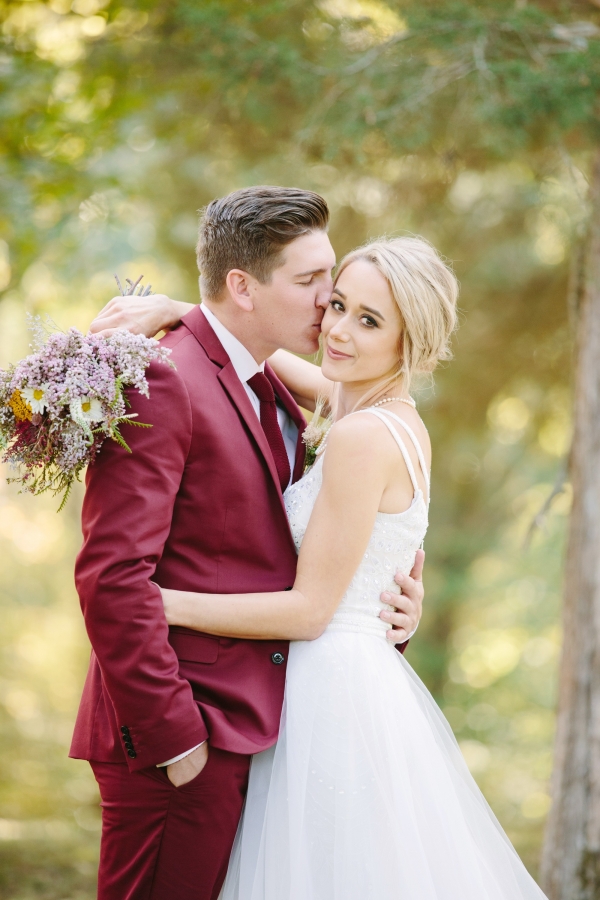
263	389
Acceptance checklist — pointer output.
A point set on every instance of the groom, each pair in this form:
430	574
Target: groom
198	505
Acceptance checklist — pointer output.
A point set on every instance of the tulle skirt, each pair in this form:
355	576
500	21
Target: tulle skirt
366	795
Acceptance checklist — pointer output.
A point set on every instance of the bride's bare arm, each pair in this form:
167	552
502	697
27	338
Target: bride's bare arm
158	312
303	379
356	470
140	315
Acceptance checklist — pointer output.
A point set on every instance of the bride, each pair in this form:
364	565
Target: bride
366	795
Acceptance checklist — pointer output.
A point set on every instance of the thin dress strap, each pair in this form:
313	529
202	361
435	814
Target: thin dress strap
401	445
416	444
382	415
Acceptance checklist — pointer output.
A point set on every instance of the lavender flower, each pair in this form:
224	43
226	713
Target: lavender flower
60	403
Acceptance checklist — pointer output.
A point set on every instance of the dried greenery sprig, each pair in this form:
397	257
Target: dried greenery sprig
130	290
315	432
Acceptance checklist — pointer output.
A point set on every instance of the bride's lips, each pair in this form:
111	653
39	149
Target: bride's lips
335	354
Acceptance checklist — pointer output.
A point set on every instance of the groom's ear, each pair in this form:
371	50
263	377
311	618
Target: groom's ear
239	284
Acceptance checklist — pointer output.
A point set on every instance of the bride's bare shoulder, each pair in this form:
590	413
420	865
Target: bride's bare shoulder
358	461
357	439
363	437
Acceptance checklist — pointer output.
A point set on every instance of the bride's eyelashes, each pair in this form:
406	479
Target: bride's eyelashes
367	321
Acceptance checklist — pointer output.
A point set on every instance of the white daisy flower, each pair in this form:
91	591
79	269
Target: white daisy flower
87	408
36	397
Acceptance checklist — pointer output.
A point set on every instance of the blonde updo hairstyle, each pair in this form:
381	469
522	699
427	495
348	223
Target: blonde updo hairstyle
426	291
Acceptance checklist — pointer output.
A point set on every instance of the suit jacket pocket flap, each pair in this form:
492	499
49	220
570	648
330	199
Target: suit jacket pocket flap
199	648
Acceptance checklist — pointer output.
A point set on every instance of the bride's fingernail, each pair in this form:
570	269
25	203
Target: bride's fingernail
385	614
387	597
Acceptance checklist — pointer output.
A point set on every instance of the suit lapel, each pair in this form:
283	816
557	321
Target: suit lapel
293	410
197	323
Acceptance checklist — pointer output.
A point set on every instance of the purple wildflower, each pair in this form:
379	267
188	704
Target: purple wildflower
76	384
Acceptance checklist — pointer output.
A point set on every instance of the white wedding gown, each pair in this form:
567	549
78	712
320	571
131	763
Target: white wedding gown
366	795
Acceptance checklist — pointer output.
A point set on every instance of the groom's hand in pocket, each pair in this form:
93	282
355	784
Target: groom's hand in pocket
406	616
188	768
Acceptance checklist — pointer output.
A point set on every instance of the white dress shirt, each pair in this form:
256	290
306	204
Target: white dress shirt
245	367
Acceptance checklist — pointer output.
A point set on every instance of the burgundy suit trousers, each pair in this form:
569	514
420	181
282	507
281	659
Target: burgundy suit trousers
160	842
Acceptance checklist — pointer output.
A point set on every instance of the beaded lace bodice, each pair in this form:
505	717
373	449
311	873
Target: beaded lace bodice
394	541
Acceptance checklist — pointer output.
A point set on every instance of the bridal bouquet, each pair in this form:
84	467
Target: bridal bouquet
59	405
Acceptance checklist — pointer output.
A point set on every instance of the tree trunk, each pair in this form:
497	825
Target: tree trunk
571	855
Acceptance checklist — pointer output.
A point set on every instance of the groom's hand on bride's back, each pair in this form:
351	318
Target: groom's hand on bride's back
188	768
140	315
408	605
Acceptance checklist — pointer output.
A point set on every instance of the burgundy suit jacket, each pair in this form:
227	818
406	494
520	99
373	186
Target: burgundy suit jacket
195	506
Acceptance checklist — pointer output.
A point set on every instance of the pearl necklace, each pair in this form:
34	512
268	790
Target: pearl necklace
408	400
319	450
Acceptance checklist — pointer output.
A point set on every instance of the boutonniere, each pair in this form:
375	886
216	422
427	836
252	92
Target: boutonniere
314	434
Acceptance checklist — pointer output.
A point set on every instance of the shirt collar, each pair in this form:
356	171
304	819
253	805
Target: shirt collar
241	359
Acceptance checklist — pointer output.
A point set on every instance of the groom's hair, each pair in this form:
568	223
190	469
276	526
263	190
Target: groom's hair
249	230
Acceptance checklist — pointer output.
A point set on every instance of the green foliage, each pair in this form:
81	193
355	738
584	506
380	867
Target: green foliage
47	870
275	80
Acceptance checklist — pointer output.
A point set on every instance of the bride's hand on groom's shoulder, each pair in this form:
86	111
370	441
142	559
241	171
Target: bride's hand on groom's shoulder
408	605
140	315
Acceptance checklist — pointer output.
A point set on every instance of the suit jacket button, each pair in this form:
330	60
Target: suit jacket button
129	745
124	729
132	754
277	658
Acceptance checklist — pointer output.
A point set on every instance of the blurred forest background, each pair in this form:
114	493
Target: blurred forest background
468	123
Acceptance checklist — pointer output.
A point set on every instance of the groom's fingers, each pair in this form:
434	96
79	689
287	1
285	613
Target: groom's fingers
408	603
416	572
188	768
403	619
412	585
403	626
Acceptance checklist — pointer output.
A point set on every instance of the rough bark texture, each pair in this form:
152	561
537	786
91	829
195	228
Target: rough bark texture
571	855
